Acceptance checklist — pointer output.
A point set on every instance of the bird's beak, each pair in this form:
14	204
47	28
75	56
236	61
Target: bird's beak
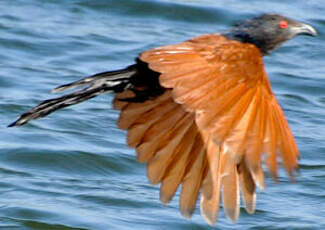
303	29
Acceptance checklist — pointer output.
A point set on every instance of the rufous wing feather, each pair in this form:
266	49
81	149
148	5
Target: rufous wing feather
210	195
223	83
171	145
231	98
230	188
247	187
195	173
208	130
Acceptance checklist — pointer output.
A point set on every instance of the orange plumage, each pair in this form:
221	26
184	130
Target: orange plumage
200	114
231	109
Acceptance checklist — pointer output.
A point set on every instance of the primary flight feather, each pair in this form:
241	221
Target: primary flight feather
201	113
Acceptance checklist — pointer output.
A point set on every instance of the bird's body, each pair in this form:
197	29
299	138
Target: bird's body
200	114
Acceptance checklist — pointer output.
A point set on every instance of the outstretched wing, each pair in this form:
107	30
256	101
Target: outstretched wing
204	127
223	85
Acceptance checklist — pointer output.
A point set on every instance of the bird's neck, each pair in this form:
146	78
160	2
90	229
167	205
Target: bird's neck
262	44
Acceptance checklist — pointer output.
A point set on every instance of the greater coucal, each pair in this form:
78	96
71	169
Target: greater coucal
201	113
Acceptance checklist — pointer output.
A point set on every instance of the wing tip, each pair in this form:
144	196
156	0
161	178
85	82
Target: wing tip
260	184
186	213
250	206
258	178
232	214
210	219
165	199
210	216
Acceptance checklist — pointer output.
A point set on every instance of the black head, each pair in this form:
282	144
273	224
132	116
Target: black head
268	31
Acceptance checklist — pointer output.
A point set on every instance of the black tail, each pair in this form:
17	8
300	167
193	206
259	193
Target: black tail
113	81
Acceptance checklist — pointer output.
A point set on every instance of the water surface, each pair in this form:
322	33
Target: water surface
72	170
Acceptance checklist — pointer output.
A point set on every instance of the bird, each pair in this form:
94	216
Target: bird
201	114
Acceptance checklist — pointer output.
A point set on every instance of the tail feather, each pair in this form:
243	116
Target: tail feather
109	78
114	81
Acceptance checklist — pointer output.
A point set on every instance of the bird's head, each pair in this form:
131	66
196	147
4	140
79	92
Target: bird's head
268	31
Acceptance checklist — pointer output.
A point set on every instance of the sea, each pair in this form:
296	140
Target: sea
72	170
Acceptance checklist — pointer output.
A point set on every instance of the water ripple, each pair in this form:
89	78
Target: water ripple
73	170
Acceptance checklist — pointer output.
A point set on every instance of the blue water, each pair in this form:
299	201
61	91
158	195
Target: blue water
73	170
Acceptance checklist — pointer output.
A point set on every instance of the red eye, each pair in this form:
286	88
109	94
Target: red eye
283	24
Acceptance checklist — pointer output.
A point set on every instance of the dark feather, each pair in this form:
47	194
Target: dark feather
105	82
